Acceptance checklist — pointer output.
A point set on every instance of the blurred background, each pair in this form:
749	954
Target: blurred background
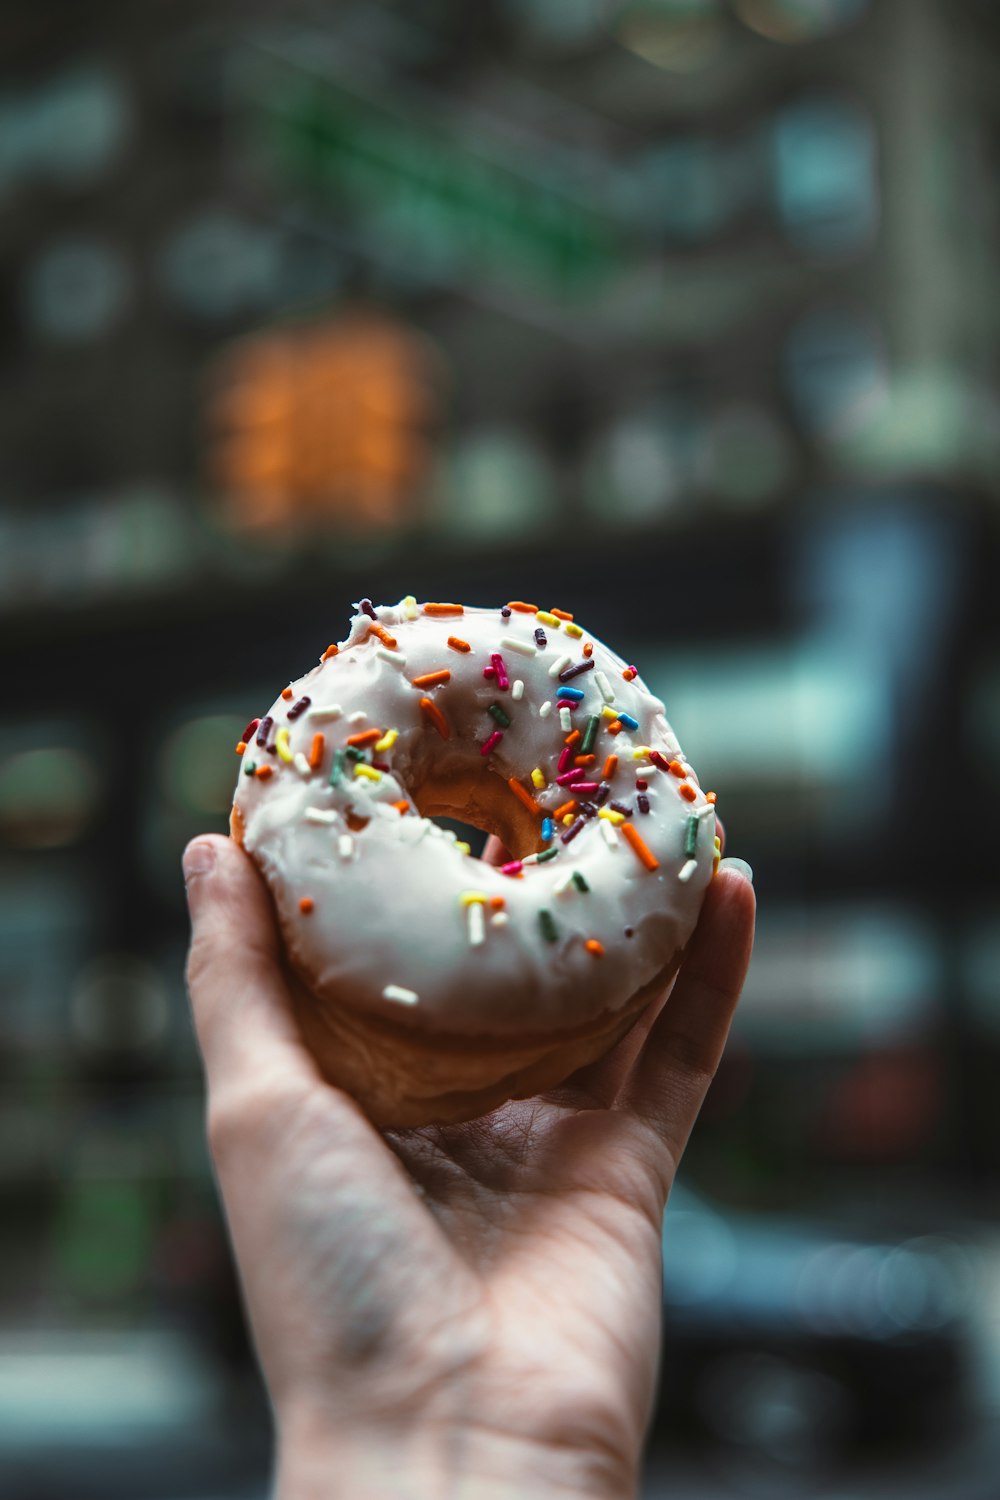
683	314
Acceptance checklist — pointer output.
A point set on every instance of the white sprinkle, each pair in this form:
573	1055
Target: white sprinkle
545	709
323	715
562	886
357	717
559	665
302	765
706	811
517	690
513	644
499	919
477	924
409	607
345	846
687	870
565	720
395	658
320	815
610	836
397	992
606	690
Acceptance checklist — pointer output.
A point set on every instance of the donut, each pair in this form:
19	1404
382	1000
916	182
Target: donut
430	985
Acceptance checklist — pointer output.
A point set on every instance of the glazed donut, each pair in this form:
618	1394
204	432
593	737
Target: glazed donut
431	985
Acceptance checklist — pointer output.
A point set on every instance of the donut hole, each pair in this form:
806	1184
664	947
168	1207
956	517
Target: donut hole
482	803
474	837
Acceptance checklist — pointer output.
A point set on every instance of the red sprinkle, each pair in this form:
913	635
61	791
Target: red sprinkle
249	730
494	739
568	777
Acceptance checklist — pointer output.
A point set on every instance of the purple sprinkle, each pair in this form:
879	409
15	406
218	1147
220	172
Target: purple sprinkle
502	681
264	729
583	666
643	802
565	756
630	932
573	830
505	612
272	749
586	809
541	637
603	793
588	788
300	707
621	807
513	868
368	608
568	777
494	739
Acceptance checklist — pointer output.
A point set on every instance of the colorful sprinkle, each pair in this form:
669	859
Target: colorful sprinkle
512	867
677	769
659	760
630	674
491	741
365	737
286	693
611	815
610	766
547	619
431	711
282	745
410	609
565	810
264	729
457	644
250	768
505	612
588	648
590	734
687	791
387	741
367	773
301	764
579	881
444	609
560	614
337	768
575	695
521	607
432	679
643	802
568	777
316	751
331	650
565	756
368	608
541	638
627	720
522	795
574	828
497	663
544	855
639	847
691	834
503	719
306	905
241	746
402	807
250	730
263	772
603	793
572	629
547	923
594	947
569	672
538	779
585	788
384	636
548	828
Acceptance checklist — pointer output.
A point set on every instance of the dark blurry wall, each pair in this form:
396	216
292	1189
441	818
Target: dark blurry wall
681	314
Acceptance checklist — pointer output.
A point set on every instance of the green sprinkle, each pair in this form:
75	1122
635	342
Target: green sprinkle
248	770
691	835
353	753
579	881
502	719
590	734
546	854
337	768
548	926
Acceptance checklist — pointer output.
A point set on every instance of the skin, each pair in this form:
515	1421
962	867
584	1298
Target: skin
471	1311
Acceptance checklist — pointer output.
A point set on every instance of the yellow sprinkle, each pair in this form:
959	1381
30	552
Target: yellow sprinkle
473	898
410	607
611	815
609	713
463	847
369	772
547	619
281	744
387	741
718	845
538	778
641	752
571	629
568	819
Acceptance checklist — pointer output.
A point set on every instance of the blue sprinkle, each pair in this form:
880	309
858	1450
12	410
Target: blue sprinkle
626	719
547	829
575	694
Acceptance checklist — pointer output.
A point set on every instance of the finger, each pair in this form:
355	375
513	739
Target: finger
672	1073
494	852
242	1009
599	1084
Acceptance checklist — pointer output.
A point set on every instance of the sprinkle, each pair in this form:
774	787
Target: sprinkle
559	665
387	741
437	718
569	672
610	837
573	630
565	756
579	881
320	815
568	777
538	779
513	867
640	752
545	921
365	737
250	730
241	746
574	694
584	760
444	609
547	619
643	802
457	644
545	709
522	608
569	818
544	855
564	719
496	660
505	612
615	727
630	674
498	902
560	614
353	753
691	834
677	769
547	830
641	784
522	795
306	905
410	609
588	648
687	791
585	788
337	768
573	737
563	884
383	635
611	714
524	648
326	715
604	687
367	607
282	746
499	919
567	807
590	734
687	870
503	719
369	773
709	796
432	679
331	650
610	766
658	760
263	772
612	817
286	693
640	848
398	992
316	751
469	898
357	717
573	829
493	739
594	947
402	807
264	729
463	847
541	638
517	690
628	720
623	808
477	925
345	846
394	658
603	793
301	764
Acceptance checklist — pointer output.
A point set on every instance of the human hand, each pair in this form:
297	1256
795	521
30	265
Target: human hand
471	1310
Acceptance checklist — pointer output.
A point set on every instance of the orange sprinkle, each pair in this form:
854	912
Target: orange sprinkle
240	746
401	807
594	947
588	648
572	737
432	679
457	644
687	791
615	727
286	693
710	797
365	737
444	609
562	812
522	795
389	641
316	751
436	717
263	772
629	673
584	760
610	767
330	651
641	848
677	769
522	608
306	905
497	903
560	614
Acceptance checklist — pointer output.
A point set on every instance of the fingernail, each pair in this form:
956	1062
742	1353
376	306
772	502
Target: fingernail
199	858
740	866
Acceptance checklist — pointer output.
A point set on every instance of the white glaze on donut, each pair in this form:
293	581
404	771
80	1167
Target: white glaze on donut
390	900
